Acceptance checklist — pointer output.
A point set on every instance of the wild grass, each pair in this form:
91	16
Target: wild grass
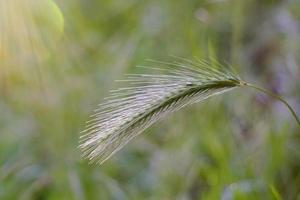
128	111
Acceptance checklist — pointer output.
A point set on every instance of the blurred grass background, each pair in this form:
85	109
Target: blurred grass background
58	60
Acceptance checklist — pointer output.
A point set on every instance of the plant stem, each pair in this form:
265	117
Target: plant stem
275	96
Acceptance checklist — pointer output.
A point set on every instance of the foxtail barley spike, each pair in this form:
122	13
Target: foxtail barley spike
130	110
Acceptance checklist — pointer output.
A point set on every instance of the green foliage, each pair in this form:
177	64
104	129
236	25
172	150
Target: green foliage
241	139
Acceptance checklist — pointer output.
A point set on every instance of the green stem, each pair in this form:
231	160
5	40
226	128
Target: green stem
275	96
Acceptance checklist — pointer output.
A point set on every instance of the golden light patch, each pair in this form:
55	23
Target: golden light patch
29	29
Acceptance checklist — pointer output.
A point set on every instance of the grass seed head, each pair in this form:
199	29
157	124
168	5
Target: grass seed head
130	110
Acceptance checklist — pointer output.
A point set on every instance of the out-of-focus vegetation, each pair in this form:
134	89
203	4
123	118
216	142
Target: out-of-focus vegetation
58	60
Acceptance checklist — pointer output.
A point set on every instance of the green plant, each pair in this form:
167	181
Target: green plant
129	111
